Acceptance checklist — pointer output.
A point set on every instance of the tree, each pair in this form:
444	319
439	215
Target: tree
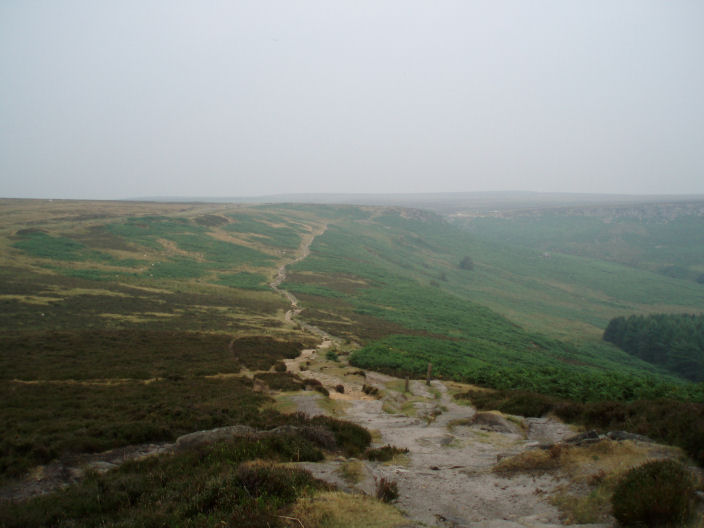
467	263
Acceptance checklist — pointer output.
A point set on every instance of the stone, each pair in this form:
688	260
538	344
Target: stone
588	437
200	438
495	422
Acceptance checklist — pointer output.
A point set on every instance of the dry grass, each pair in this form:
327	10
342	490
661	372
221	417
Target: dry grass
352	471
593	506
334	406
592	470
340	510
534	461
284	404
581	463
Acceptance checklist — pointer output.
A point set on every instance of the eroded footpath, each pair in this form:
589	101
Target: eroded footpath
446	478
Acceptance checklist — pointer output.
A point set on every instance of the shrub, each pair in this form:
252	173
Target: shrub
331	355
658	493
467	263
384	454
340	388
263	479
280	366
371	391
314	384
280	381
353	439
386	490
322	390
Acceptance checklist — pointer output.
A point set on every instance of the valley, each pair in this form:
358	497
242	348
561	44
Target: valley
128	326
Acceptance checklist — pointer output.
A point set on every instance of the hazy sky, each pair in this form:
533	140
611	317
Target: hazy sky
115	99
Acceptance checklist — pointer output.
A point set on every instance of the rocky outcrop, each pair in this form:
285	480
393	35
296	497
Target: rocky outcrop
495	422
201	438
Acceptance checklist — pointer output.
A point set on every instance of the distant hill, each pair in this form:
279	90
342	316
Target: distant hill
443	202
663	237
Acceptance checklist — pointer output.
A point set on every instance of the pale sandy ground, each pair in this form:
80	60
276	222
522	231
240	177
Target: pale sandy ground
446	478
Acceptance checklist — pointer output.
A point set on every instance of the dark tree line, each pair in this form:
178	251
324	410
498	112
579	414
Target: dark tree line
675	342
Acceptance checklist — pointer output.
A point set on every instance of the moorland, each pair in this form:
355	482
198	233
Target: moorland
128	323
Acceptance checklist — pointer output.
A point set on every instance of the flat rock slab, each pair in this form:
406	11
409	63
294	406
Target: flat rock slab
200	438
496	422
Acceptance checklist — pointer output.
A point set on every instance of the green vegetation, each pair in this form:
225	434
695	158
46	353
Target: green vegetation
42	245
243	280
127	323
116	354
262	352
648	237
39	244
560	371
467	263
269	228
46	420
33	301
676	342
370	282
656	494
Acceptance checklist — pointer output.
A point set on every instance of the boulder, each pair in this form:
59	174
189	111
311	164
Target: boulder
495	422
589	437
200	438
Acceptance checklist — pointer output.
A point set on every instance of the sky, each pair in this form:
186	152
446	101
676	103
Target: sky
124	99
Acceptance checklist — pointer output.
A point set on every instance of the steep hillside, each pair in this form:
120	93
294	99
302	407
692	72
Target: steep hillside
392	279
128	326
665	238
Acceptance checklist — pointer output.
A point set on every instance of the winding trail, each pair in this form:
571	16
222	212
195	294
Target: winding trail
446	478
303	252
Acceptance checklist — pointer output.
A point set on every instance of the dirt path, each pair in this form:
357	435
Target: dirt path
446	478
303	251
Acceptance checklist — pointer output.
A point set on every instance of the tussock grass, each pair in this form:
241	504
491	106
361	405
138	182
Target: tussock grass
352	471
339	510
605	457
593	472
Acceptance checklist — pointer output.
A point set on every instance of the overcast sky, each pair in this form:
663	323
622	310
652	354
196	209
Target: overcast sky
238	98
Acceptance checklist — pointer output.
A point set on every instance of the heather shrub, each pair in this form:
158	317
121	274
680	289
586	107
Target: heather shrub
656	494
385	453
386	490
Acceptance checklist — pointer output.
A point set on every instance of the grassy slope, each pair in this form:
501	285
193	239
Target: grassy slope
97	299
159	289
404	271
658	241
